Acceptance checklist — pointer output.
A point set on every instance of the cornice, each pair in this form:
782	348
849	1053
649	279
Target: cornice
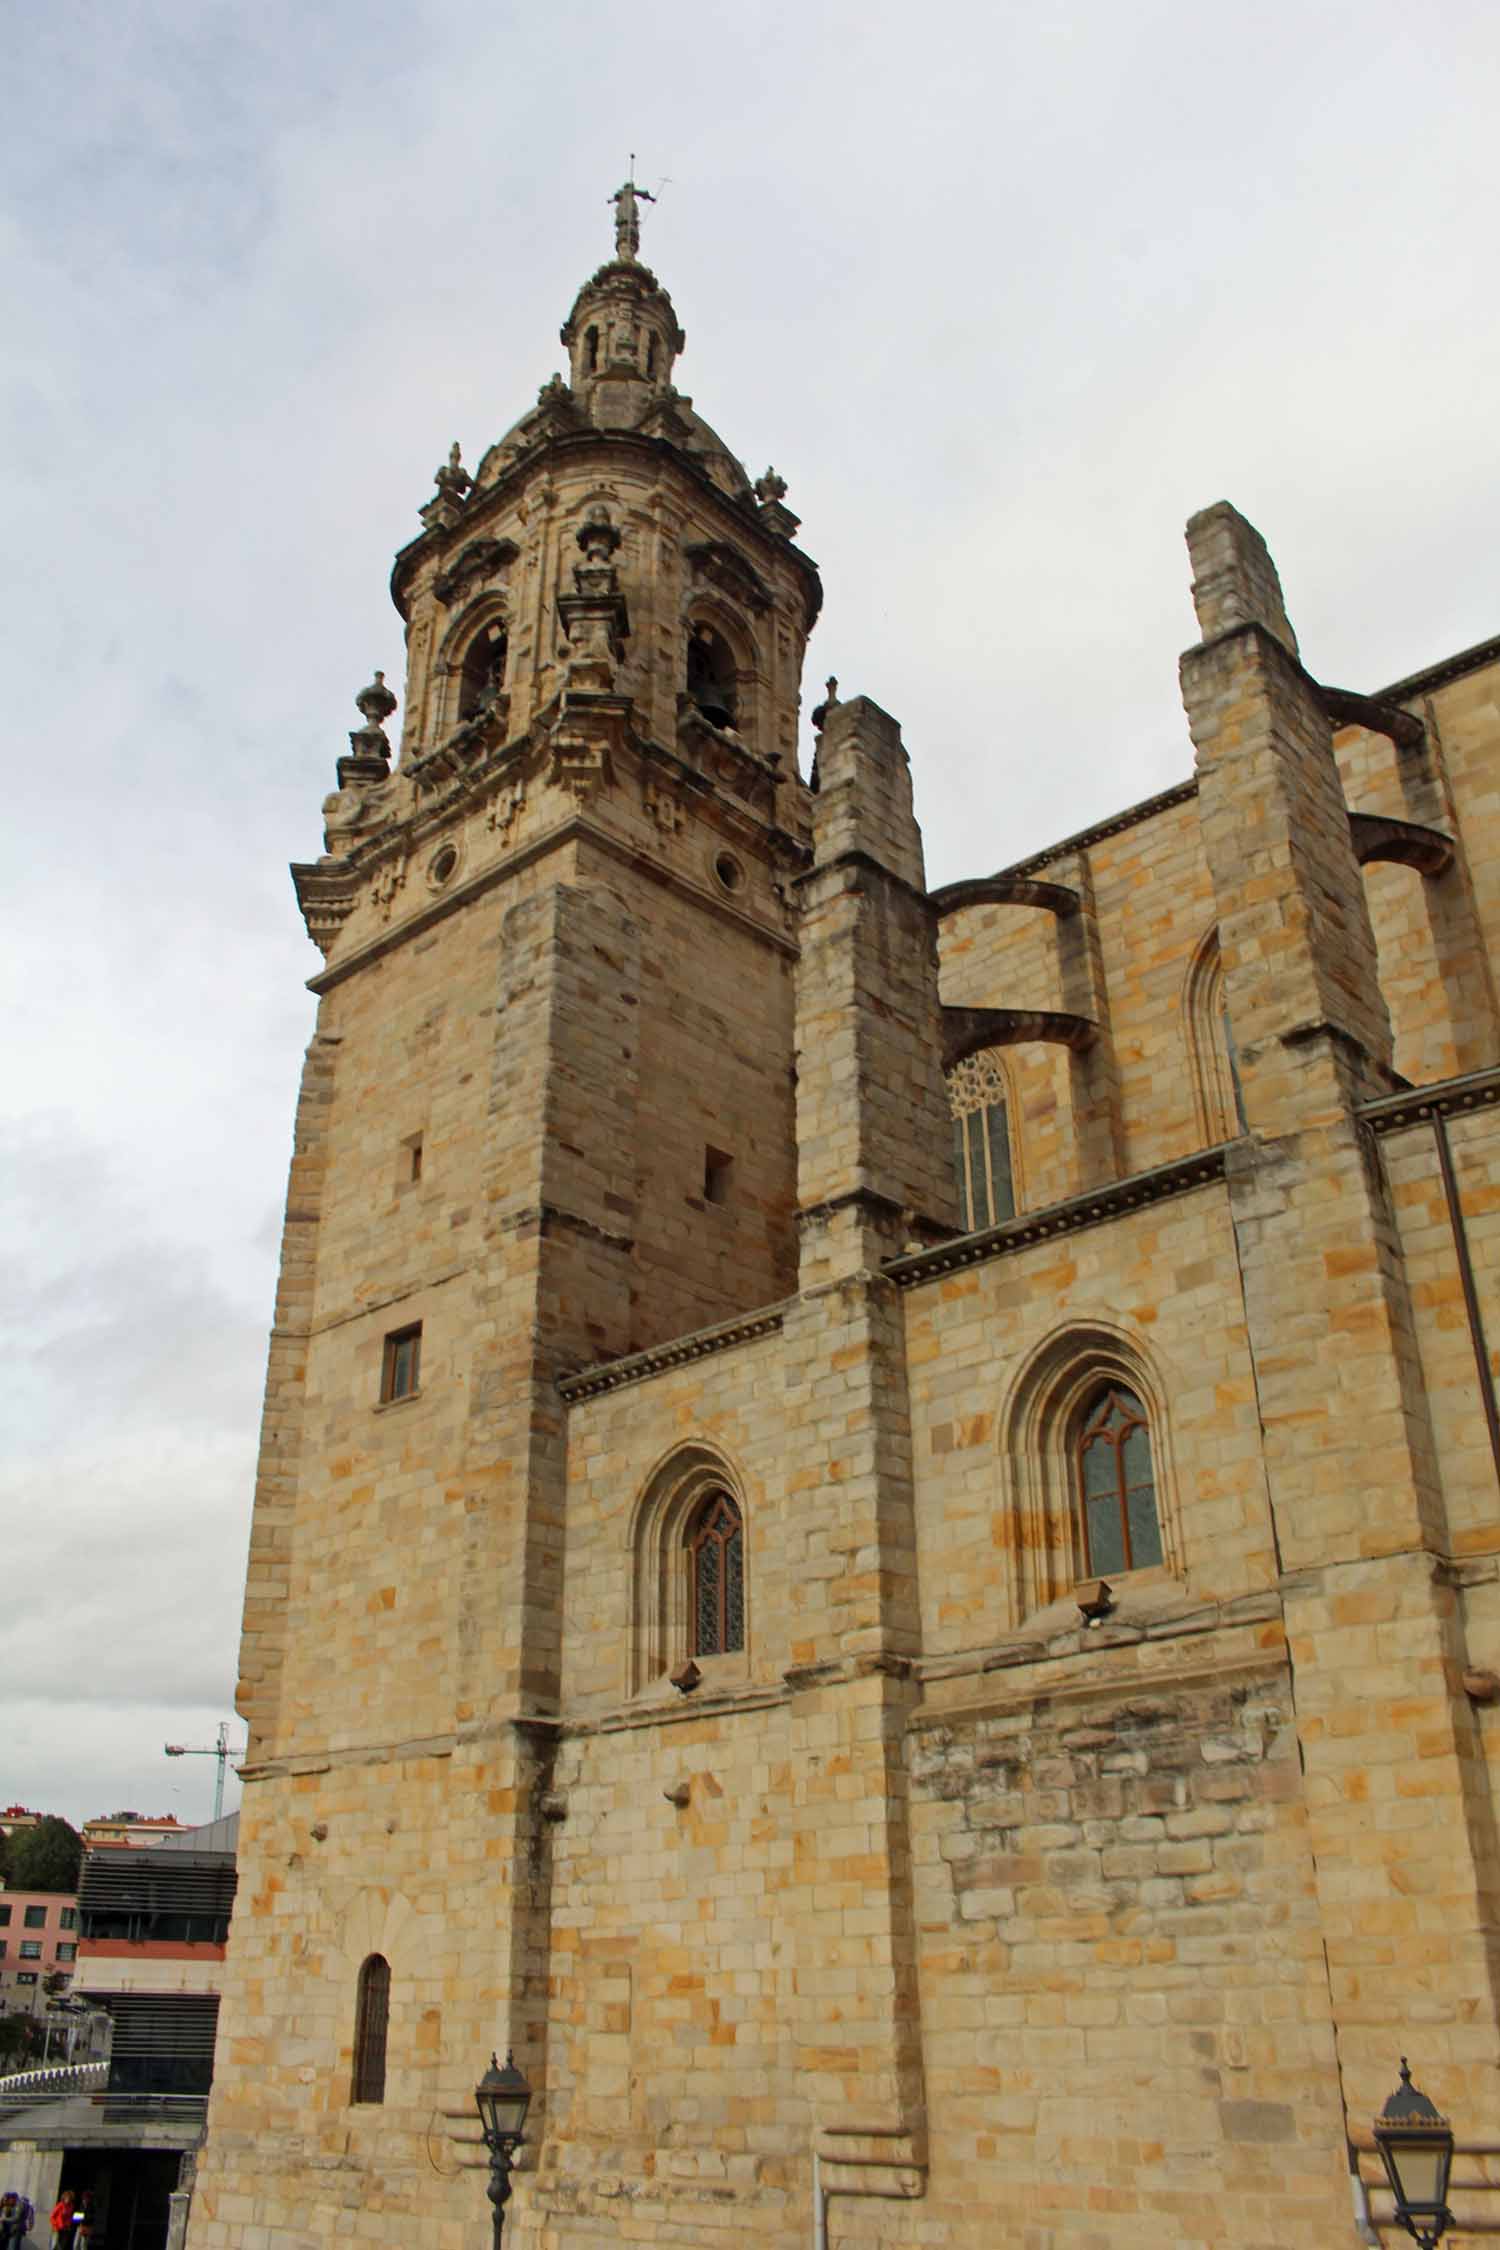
490	499
1479	1089
1181	793
1439	675
1103	1204
332	888
701	1344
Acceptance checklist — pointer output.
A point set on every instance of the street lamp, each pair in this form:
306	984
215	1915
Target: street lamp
502	2099
1416	2148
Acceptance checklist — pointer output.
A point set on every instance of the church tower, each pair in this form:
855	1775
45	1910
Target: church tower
546	1120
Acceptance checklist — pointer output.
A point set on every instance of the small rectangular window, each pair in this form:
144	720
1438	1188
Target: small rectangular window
4	1917
718	1167
401	1366
31	1949
409	1168
36	1917
26	1976
4	1943
68	1919
67	1953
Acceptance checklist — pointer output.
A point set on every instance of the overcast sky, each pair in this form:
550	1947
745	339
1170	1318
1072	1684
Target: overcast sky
1004	292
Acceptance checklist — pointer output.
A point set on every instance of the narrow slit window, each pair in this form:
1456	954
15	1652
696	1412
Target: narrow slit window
716	1558
401	1365
371	2016
718	1171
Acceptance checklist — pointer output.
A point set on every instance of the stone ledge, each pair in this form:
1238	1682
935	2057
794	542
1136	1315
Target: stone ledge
1478	1089
1135	1193
636	1366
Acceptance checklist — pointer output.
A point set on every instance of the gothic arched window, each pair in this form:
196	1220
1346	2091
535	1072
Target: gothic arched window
716	1563
483	674
1116	1483
711	675
371	2015
981	1142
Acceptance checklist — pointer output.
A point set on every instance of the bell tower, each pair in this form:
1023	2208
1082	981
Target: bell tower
546	1120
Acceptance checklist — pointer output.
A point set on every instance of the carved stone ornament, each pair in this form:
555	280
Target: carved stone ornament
375	702
505	810
326	892
715	563
482	558
665	808
453	476
390	876
597	535
664	418
770	486
369	758
580	764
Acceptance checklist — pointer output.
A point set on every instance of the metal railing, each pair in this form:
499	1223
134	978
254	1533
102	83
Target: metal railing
55	2078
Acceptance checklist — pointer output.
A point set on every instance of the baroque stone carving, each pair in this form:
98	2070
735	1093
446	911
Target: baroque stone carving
482	558
715	563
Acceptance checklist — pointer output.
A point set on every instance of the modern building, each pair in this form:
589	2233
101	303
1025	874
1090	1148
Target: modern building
38	1947
125	2129
130	1828
878	1532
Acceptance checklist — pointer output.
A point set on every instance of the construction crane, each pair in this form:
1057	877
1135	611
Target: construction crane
220	1750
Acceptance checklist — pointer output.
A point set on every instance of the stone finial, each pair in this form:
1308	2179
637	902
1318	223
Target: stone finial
627	202
376	703
369	757
597	535
830	699
453	477
770	487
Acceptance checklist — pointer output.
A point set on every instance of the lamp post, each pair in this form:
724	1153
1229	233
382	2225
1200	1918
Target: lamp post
1416	2148
502	2099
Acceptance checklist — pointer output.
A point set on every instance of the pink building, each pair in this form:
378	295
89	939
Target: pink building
38	1935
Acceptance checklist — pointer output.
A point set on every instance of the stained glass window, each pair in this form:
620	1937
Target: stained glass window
716	1552
1117	1486
371	2013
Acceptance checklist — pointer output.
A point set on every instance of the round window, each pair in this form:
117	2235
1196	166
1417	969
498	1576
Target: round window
440	867
730	874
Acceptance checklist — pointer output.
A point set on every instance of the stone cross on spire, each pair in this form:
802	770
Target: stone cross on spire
628	215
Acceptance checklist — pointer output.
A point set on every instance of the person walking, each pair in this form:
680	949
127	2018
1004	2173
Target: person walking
16	2216
62	2220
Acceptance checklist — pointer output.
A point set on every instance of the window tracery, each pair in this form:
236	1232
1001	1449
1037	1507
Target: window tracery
1118	1526
716	1552
690	1575
1088	1483
979	1098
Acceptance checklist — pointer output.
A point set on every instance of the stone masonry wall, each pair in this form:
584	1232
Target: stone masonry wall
1122	1975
